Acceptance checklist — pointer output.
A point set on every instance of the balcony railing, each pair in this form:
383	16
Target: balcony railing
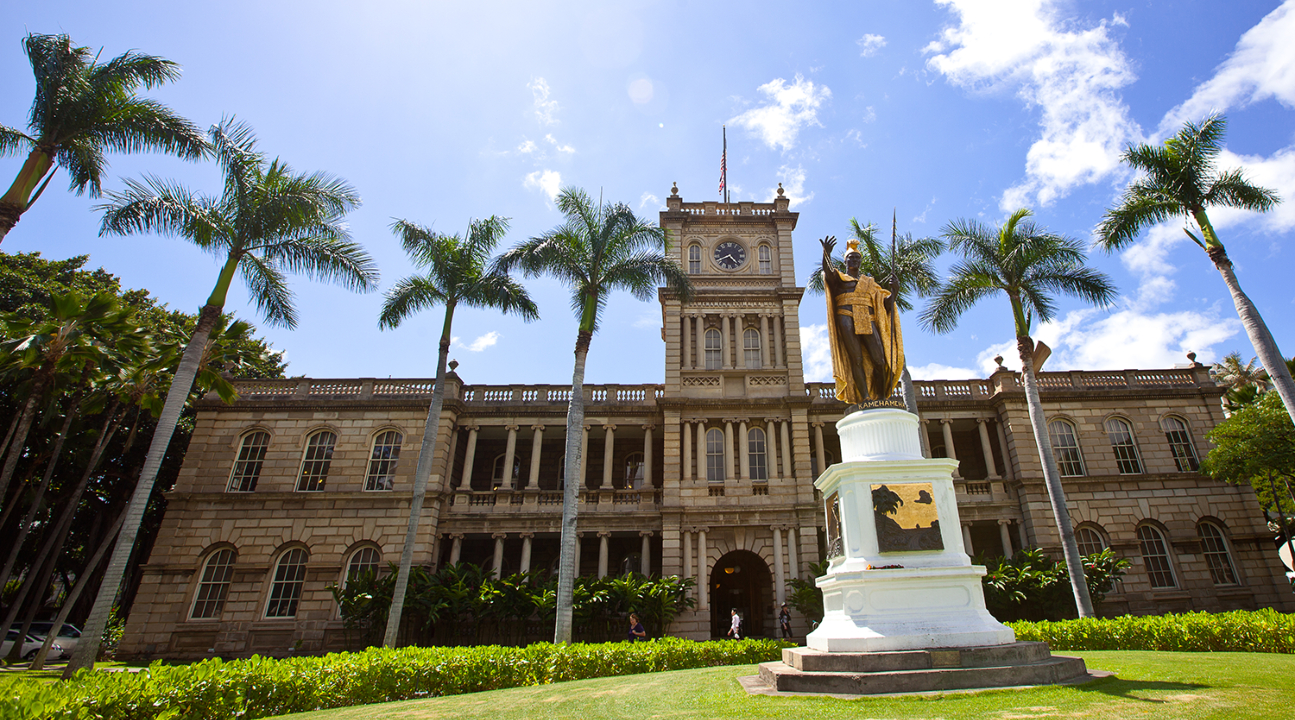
550	501
370	388
929	390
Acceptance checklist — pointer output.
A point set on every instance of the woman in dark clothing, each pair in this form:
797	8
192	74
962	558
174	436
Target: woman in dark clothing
637	632
784	621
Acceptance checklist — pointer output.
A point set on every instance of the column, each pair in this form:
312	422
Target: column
1020	531
739	341
966	539
728	449
1006	537
686	432
764	341
579	536
468	459
818	447
526	552
499	554
988	450
448	472
602	552
609	442
456	547
701	451
779	579
784	430
744	450
780	359
687	553
793	565
771	447
703	572
645	554
946	425
510	454
724	346
584	456
685	338
537	442
701	341
647	456
1007	459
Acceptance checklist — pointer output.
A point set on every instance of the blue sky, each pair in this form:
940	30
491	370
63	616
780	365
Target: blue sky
442	112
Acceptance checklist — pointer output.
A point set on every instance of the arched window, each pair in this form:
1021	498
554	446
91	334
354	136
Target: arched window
213	587
1155	556
1090	540
714	359
694	259
766	260
1126	451
251	455
634	470
289	577
715	455
751	347
382	461
1180	443
1215	548
365	560
497	479
756	454
316	461
1065	448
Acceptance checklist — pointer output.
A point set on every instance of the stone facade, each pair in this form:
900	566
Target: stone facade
708	475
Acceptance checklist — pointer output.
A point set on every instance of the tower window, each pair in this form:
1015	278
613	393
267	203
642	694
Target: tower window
751	347
715	455
766	260
756	457
694	259
713	357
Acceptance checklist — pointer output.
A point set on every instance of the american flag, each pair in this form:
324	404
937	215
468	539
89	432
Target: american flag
723	164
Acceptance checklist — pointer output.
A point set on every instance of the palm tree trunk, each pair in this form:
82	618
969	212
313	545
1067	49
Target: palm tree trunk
38	582
25	526
19	196
571	492
20	435
1052	479
1257	330
176	398
86	573
426	456
910	404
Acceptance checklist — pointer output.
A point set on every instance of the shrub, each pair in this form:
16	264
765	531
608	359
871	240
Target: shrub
1239	631
1033	586
261	687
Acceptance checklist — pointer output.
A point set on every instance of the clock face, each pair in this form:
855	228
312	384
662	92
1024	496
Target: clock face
729	255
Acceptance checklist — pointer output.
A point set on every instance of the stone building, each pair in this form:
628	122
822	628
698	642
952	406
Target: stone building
708	475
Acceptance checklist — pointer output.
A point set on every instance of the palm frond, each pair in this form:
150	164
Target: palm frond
326	253
969	284
503	293
13	141
1139	208
138	124
1231	189
269	290
167	208
407	297
131	69
84	163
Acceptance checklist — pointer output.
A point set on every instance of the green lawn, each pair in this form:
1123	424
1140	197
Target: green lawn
1147	685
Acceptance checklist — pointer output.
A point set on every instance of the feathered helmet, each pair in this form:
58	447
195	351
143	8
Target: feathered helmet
852	248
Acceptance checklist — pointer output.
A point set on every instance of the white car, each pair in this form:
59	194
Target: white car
67	636
30	646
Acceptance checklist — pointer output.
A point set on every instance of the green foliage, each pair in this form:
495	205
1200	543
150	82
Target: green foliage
262	687
805	597
1256	445
1264	630
1032	586
465	604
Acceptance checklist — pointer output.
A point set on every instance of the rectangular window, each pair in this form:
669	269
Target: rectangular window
715	456
756	457
751	348
713	359
766	262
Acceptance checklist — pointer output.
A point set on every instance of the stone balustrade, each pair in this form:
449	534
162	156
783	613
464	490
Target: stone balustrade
370	388
529	500
1072	380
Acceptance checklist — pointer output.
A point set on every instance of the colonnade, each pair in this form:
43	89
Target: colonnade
537	443
738	460
732	326
524	564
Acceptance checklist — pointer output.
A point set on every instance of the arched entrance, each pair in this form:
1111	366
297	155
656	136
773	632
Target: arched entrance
741	580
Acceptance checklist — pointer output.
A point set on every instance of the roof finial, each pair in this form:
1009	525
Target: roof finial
779	189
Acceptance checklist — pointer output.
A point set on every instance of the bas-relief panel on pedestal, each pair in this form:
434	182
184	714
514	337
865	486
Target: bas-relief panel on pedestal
906	517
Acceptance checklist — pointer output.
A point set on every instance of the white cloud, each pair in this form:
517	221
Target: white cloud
793	182
816	353
1073	76
856	137
527	147
1262	66
869	115
869	44
545	109
548	181
648	198
558	146
792	107
647	320
482	342
936	371
922	218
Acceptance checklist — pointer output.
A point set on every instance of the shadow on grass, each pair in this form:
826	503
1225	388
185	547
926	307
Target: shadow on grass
1125	688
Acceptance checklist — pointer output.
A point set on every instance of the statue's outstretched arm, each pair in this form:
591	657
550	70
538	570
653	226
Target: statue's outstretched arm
829	244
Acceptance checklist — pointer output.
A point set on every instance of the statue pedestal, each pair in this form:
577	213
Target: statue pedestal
889	506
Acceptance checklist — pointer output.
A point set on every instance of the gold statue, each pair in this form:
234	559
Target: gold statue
863	329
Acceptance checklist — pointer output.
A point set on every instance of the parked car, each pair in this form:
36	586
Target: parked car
30	645
67	636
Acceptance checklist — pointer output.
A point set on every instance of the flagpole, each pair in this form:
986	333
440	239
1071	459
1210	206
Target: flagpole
724	129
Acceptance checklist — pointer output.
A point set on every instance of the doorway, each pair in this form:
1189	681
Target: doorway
741	580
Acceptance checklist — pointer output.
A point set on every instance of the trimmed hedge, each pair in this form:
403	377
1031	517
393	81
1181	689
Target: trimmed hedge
1265	631
261	687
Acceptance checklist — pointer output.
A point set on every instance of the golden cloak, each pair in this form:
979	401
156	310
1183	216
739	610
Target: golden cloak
868	303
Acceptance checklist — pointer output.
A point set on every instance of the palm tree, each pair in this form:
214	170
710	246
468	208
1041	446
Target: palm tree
597	250
910	269
83	108
1245	381
1029	265
457	274
267	220
1181	180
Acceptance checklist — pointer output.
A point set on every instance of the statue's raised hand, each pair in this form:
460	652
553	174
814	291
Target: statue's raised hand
829	244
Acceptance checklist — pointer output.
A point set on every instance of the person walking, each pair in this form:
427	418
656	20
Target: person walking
637	631
735	629
784	621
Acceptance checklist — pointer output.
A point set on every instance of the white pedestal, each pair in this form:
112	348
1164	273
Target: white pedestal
935	600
